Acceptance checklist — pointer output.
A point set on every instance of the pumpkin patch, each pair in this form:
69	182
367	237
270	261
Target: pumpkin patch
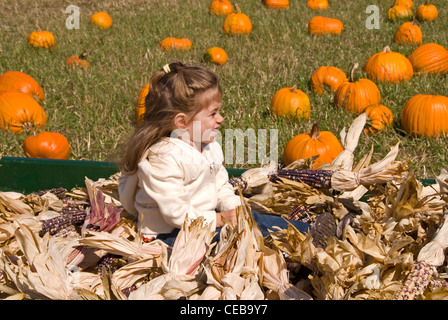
359	152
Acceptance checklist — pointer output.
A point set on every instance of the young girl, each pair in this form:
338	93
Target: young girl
173	167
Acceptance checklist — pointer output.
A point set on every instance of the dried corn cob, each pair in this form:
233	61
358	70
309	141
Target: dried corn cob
128	291
418	279
108	261
54	225
238	182
313	178
300	213
59	192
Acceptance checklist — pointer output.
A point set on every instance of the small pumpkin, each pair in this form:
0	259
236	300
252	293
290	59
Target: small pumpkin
291	102
317	4
406	3
276	4
380	117
19	111
327	77
20	81
181	44
76	61
322	25
388	66
221	7
397	12
427	12
216	55
314	143
356	95
101	19
47	145
430	58
237	23
408	33
141	106
425	115
41	38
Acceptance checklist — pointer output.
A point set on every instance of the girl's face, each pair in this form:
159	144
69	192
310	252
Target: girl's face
205	124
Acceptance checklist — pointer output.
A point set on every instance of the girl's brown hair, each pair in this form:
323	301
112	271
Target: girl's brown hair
182	89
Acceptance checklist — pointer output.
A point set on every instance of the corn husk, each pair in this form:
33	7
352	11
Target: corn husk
380	172
180	268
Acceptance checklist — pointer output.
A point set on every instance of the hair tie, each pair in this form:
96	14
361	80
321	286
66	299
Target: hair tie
166	68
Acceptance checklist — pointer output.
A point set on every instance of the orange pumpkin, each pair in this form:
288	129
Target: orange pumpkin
76	61
314	143
425	115
101	19
276	4
397	12
408	33
322	25
291	102
327	77
406	3
20	81
43	39
388	66
427	12
48	145
216	55
317	4
380	117
182	44
357	95
431	58
19	111
237	23
221	7
141	106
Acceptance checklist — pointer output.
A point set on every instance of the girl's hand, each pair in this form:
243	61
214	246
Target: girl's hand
229	216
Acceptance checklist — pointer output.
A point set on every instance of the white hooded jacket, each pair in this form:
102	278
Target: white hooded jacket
177	180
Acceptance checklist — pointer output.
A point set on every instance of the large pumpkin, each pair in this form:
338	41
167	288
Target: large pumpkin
19	111
19	81
141	106
276	4
322	25
237	23
101	19
427	12
317	4
408	33
314	143
327	77
291	102
48	145
397	12
221	7
216	55
380	117
425	115
41	38
357	95
388	66
181	44
430	58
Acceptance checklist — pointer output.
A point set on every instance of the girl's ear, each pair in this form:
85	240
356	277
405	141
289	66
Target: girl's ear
180	121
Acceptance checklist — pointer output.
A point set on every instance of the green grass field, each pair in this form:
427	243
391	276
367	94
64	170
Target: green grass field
95	109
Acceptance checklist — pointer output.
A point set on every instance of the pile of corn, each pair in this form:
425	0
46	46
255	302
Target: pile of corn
383	237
